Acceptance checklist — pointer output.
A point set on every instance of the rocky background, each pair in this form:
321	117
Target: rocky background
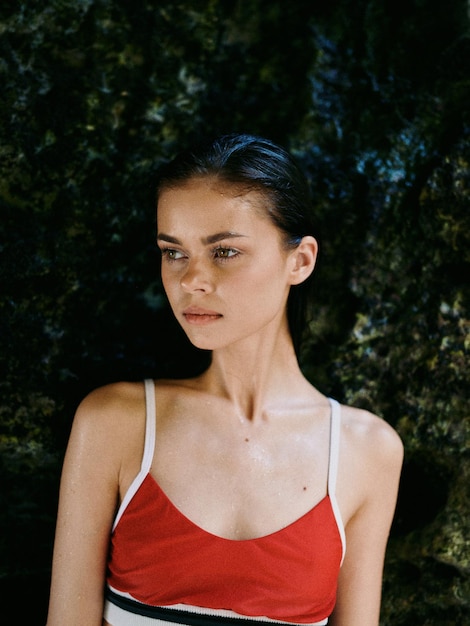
373	98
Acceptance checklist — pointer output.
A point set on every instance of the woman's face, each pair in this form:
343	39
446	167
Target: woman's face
225	270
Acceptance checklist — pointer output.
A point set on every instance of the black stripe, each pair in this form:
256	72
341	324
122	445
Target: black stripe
178	616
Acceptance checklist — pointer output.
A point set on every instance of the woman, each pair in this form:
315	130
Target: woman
242	495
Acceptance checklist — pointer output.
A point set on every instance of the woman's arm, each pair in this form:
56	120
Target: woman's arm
376	463
87	504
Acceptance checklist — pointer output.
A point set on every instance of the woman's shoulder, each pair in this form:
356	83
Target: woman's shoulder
109	425
113	410
371	460
122	400
372	437
112	398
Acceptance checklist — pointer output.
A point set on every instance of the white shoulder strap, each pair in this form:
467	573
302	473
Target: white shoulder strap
150	426
335	428
149	447
335	432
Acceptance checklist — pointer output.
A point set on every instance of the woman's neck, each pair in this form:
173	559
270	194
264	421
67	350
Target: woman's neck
256	376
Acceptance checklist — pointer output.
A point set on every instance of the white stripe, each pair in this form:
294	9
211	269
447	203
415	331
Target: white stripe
120	617
335	425
149	446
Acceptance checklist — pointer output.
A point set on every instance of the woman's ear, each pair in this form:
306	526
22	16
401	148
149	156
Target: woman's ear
303	260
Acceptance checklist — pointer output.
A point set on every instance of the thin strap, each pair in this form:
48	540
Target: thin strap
150	426
149	447
335	431
335	425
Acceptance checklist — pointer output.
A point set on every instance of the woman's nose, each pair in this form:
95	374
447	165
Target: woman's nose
197	277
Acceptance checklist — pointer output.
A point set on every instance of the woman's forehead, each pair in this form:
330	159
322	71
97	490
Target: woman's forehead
213	193
199	208
218	184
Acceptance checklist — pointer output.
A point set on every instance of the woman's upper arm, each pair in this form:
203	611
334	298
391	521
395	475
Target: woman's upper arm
367	531
87	503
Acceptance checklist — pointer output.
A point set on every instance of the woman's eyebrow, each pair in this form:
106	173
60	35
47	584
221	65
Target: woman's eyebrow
168	238
210	239
219	236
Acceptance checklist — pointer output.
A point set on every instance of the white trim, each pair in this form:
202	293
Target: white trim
335	431
117	616
149	447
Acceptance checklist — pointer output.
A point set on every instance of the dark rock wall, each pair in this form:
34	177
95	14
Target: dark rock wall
373	99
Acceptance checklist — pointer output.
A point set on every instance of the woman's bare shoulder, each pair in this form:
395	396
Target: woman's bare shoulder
108	427
371	436
372	458
111	409
121	402
112	398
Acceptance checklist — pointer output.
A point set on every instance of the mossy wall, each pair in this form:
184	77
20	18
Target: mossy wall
373	99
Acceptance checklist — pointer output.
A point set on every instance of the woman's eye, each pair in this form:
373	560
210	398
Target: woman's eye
172	255
225	253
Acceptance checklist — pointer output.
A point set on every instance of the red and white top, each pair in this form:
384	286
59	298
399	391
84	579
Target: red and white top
158	557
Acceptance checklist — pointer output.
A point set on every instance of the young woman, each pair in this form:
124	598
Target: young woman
243	495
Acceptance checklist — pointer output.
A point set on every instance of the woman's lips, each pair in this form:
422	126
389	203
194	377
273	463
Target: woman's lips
199	317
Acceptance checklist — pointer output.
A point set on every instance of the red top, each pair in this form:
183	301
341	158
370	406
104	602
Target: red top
162	558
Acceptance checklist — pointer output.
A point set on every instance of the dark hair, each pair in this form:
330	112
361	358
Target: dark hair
261	165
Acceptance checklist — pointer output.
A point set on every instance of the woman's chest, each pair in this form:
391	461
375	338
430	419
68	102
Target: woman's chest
242	486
